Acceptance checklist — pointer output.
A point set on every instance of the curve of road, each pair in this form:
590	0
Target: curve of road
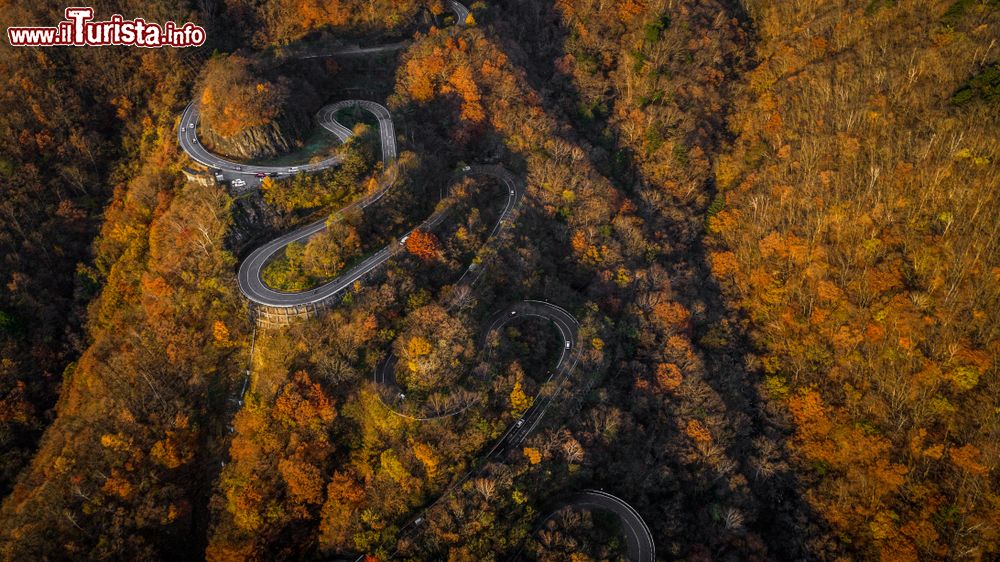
568	327
638	537
250	281
250	273
255	290
385	378
461	12
187	136
516	433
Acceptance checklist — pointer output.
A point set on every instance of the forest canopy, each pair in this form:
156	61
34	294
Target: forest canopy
736	263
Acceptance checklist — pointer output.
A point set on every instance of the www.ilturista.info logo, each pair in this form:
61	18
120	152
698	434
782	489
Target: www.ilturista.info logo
80	31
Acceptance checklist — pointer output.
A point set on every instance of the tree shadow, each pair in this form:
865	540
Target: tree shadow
535	37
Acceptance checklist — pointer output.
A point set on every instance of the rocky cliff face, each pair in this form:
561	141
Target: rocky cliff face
254	222
283	134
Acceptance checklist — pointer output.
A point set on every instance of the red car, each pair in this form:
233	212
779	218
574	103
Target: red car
260	175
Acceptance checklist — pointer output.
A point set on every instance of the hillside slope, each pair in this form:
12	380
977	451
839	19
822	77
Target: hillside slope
776	223
858	233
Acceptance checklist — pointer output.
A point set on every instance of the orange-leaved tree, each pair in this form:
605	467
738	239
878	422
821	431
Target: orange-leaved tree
424	245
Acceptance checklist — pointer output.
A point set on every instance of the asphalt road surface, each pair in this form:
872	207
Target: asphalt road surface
638	538
355	50
461	12
250	282
568	327
187	136
250	272
384	373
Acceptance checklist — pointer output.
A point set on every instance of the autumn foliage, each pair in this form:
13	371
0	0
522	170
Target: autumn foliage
280	450
774	222
432	349
423	245
284	21
868	265
234	98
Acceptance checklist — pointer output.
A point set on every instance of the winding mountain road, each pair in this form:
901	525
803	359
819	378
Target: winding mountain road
384	374
254	289
250	281
568	327
515	434
187	136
